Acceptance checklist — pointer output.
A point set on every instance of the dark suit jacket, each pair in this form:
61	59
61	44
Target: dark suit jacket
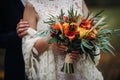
11	12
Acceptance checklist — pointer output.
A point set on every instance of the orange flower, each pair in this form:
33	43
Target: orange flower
93	33
86	24
83	19
71	35
65	27
56	26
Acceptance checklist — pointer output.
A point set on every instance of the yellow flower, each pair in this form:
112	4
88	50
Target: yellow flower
65	25
82	32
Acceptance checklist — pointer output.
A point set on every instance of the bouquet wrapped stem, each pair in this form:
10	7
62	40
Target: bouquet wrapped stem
68	65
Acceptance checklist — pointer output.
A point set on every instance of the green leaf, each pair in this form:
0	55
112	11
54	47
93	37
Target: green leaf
92	58
53	40
108	50
86	15
102	24
76	13
82	48
86	44
62	13
110	45
106	31
98	13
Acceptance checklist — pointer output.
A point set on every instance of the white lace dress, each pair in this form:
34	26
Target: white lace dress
48	65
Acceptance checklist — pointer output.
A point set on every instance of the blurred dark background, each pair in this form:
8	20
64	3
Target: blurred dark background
109	65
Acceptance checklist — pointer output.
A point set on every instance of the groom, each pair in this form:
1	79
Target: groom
11	13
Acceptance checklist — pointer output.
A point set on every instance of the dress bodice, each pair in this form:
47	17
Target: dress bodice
46	7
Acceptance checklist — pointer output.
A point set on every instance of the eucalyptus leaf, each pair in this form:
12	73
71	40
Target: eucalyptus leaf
53	40
82	48
97	14
92	58
108	50
85	43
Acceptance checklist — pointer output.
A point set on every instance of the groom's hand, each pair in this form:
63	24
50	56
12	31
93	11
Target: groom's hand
22	27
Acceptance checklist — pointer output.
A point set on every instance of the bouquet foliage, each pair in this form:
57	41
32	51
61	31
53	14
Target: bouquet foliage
83	33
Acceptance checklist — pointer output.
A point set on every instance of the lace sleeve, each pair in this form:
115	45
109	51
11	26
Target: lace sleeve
32	60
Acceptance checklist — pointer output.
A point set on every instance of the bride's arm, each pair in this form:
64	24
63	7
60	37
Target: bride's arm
31	16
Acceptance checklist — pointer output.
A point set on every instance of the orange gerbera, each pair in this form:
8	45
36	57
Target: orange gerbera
65	27
56	26
70	35
86	24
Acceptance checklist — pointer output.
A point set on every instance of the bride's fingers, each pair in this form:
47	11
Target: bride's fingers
64	43
74	56
59	47
75	52
63	47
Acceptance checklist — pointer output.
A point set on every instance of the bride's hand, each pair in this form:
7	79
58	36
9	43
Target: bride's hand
73	56
22	27
59	48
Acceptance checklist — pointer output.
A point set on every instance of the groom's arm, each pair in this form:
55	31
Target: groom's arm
7	39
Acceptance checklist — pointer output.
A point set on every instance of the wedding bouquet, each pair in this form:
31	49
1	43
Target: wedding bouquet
83	33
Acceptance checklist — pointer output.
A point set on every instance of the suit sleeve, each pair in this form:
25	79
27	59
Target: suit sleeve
7	39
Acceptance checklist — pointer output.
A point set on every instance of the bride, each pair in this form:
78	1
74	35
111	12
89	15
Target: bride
44	61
